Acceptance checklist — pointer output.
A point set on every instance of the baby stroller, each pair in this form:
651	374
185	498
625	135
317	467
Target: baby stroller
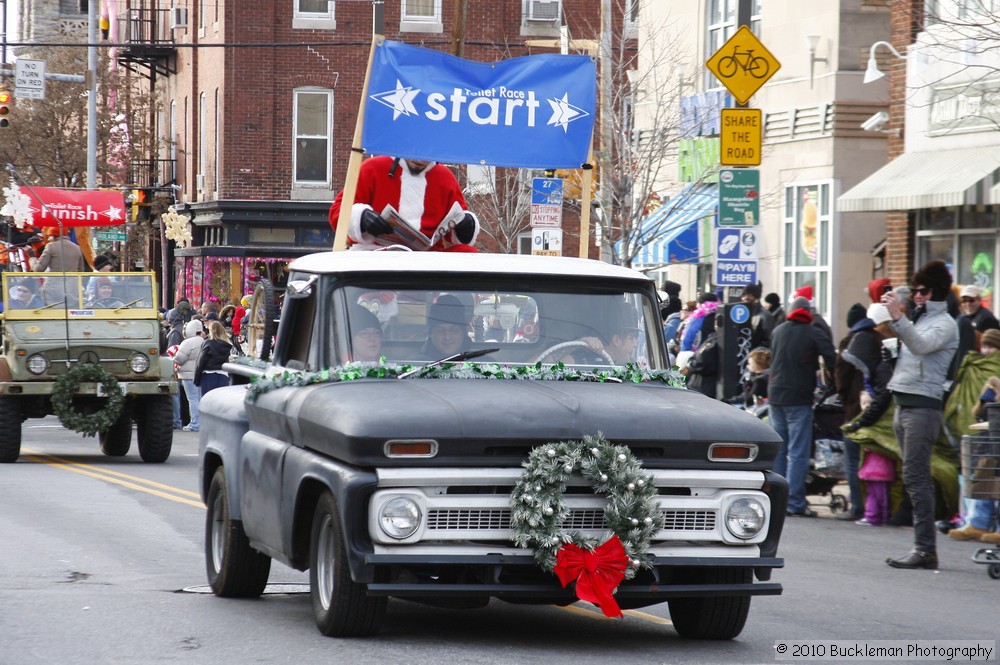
827	467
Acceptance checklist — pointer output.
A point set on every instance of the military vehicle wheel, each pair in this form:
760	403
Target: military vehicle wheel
154	419
262	322
10	429
717	618
117	440
340	605
235	570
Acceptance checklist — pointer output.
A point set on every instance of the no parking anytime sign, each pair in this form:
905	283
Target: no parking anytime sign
735	256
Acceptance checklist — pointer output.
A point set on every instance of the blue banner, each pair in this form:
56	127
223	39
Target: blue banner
536	111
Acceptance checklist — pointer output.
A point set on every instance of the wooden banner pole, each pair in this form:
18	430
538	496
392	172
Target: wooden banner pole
585	196
354	163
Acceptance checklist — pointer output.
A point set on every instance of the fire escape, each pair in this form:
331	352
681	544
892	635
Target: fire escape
149	51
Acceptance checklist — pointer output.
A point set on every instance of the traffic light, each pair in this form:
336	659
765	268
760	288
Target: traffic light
6	101
141	201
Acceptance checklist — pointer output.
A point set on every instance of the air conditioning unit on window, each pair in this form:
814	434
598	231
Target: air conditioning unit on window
178	17
544	11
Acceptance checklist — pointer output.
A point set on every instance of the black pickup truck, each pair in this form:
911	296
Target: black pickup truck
383	460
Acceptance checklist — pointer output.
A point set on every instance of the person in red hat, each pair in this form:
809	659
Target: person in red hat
422	192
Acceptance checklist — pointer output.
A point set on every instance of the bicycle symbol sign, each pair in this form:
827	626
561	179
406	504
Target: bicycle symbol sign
743	64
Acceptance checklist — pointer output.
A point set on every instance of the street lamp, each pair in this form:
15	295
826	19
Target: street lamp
812	41
873	73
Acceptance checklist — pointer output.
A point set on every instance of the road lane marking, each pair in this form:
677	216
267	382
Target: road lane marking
124	479
115	477
652	618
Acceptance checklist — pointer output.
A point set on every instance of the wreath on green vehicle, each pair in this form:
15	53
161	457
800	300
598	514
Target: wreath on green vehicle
66	387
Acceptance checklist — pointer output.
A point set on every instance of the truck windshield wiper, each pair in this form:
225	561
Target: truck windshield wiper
464	355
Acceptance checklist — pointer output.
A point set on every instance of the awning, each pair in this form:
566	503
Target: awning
670	234
932	179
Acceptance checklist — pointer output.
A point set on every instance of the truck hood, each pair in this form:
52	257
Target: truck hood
499	421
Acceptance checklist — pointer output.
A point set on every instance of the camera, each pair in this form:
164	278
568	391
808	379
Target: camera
876	122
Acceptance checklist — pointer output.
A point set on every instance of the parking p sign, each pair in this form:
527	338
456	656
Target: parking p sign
736	256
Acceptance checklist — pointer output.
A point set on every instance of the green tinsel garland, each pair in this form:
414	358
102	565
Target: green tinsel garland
538	502
558	372
65	388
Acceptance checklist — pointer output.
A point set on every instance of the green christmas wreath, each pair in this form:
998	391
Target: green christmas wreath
538	502
87	423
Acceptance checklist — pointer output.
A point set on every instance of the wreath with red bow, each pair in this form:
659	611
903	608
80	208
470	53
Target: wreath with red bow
539	509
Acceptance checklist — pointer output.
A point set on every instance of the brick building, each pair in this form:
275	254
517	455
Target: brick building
258	109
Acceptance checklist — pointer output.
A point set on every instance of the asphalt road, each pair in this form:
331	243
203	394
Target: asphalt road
103	563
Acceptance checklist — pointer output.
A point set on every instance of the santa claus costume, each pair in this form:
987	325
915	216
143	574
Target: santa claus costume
422	199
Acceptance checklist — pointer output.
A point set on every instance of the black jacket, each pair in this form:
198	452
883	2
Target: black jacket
214	353
796	347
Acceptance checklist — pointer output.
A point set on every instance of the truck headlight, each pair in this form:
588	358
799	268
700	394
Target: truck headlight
138	363
37	364
745	517
399	517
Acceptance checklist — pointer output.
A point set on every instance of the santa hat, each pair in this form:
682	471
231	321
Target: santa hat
803	292
876	288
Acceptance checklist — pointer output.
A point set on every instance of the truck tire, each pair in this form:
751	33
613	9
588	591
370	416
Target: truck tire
10	429
235	570
340	605
118	439
262	321
719	618
154	418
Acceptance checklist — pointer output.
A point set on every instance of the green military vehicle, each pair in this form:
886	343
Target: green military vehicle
86	347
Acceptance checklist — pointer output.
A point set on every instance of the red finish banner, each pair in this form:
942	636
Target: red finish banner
55	207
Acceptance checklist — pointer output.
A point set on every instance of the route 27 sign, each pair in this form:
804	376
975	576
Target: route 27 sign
743	64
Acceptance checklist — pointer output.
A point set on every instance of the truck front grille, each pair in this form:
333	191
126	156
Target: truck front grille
578	520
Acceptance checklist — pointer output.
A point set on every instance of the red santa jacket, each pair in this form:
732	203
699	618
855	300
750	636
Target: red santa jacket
422	200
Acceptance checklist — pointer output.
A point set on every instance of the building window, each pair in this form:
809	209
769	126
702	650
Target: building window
720	26
314	15
313	114
524	242
966	240
218	145
420	16
202	141
806	240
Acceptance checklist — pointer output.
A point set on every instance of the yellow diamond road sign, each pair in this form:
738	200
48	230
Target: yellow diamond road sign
743	64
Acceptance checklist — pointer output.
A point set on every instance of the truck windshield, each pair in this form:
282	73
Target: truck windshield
606	328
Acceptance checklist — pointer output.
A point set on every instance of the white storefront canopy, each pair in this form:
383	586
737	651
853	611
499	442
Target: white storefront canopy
933	179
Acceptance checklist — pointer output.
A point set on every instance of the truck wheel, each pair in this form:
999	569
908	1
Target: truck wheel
235	570
10	429
155	428
118	439
262	322
720	618
341	606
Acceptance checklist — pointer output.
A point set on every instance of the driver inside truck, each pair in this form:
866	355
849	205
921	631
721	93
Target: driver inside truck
24	295
366	335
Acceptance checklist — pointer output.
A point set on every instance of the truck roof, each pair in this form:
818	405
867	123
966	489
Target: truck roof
401	261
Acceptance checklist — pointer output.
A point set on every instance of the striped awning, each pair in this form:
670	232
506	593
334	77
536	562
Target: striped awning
670	234
932	179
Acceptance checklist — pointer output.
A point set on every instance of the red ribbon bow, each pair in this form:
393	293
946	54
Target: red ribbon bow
597	574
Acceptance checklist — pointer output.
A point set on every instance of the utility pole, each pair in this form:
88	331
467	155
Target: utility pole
458	28
605	149
92	19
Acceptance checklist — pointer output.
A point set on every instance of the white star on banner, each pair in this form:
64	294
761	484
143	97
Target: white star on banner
113	213
399	100
564	113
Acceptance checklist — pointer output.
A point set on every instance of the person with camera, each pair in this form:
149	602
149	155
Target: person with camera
927	344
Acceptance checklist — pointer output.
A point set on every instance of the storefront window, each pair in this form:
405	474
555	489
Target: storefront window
937	220
807	240
972	219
